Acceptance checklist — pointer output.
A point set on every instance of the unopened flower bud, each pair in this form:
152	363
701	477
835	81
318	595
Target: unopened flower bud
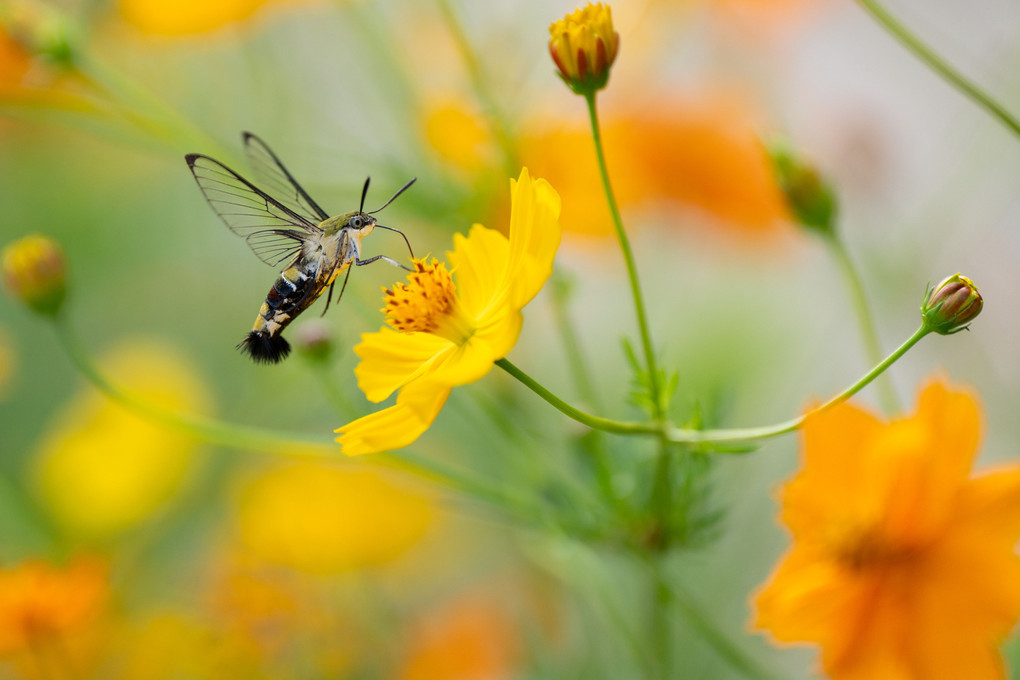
950	306
34	272
584	46
315	341
809	196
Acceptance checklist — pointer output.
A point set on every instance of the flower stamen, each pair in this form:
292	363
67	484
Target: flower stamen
427	303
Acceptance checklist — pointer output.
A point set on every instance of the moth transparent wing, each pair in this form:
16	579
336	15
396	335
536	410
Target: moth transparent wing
274	176
275	246
274	231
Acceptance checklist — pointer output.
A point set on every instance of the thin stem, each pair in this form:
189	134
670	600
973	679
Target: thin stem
628	256
865	321
728	651
582	379
940	66
480	84
680	435
272	441
594	422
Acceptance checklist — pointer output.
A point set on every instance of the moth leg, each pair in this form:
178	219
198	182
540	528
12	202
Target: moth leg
329	297
390	260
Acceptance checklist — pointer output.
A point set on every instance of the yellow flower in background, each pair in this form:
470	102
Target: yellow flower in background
902	565
189	17
185	17
101	469
466	639
583	46
41	605
446	334
459	135
326	519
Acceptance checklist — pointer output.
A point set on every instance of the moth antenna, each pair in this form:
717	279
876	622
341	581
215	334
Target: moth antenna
394	196
364	193
402	235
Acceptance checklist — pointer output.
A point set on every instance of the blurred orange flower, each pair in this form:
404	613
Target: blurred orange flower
324	519
14	63
704	155
902	565
470	638
40	603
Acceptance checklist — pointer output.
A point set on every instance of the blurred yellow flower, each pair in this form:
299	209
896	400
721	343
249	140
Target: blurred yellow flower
459	136
468	639
189	17
448	334
324	519
902	565
101	469
701	154
185	17
41	604
583	45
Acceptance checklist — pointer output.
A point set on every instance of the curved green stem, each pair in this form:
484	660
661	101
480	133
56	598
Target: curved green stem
628	256
681	435
940	66
271	441
865	320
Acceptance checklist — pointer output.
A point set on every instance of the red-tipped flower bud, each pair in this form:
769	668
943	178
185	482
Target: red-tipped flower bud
950	306
34	272
584	46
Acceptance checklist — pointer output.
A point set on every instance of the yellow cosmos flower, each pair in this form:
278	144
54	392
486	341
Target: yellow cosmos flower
902	566
584	45
101	469
325	519
446	334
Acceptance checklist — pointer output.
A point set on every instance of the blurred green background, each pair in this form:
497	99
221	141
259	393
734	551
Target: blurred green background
246	564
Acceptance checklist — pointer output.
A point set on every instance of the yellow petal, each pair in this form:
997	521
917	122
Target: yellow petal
534	236
389	360
479	261
465	364
395	427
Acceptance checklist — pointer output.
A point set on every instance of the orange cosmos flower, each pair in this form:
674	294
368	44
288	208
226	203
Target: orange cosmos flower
447	333
902	566
40	603
702	154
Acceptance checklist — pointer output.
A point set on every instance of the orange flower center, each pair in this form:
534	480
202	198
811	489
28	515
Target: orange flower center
428	304
868	549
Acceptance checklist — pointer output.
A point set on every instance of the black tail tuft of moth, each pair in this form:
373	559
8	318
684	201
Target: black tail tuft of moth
264	348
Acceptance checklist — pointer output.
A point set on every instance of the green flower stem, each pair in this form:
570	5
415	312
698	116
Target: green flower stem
628	256
680	435
582	378
865	320
272	441
143	108
738	659
940	66
479	82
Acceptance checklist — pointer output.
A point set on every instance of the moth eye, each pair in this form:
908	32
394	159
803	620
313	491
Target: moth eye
356	222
